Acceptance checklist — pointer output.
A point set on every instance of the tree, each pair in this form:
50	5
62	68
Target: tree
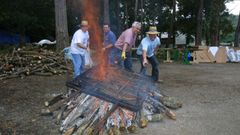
136	10
37	24
199	24
214	22
61	24
237	33
106	12
186	18
171	33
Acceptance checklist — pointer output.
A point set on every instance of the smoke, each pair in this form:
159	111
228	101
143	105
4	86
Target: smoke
91	13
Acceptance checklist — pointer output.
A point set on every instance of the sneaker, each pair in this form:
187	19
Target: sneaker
159	81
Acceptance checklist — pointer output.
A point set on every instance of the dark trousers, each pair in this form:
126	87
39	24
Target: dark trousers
127	63
154	62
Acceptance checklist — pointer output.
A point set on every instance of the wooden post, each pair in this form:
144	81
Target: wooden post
168	60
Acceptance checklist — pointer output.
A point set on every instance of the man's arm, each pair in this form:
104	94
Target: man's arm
112	39
144	55
124	51
156	49
88	46
108	46
125	47
81	46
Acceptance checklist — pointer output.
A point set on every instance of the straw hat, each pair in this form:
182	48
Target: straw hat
152	30
84	23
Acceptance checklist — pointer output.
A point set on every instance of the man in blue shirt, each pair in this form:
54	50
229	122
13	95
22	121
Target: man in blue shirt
146	52
109	41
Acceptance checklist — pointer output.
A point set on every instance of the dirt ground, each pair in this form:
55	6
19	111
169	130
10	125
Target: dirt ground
209	92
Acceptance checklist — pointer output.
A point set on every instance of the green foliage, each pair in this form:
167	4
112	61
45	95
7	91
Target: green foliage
27	17
228	26
36	18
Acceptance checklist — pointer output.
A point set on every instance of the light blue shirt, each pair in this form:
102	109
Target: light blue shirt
148	45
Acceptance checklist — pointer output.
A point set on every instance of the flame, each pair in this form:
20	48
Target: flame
91	13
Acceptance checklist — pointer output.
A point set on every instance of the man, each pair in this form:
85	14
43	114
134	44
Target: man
109	41
146	52
79	46
124	45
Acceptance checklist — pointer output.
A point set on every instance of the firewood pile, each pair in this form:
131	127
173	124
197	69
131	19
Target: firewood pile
31	61
80	113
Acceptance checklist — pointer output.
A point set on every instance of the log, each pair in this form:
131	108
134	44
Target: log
76	112
28	52
168	112
3	75
32	59
9	77
42	74
102	122
56	106
54	100
70	131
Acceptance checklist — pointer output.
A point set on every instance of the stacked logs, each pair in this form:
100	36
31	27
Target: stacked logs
80	114
31	61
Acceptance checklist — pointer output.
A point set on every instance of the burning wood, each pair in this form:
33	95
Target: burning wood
31	61
112	106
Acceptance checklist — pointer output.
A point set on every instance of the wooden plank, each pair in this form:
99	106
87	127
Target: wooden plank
221	55
168	57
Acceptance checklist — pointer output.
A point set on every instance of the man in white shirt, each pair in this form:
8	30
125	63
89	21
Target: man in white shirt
79	46
146	52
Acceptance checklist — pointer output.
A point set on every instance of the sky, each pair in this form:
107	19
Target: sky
234	7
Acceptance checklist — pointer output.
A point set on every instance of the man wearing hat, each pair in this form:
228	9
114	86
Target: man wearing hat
79	46
124	45
146	52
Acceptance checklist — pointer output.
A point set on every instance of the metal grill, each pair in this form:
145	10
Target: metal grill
126	89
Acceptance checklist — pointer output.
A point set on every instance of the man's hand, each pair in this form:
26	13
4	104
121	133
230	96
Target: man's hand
123	56
88	49
103	49
145	62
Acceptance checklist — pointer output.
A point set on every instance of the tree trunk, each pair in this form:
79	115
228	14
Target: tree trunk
143	25
173	23
126	14
119	28
136	10
61	24
106	12
237	33
199	24
171	33
214	25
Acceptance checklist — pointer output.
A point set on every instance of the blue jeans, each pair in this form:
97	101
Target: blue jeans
110	54
127	63
78	64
